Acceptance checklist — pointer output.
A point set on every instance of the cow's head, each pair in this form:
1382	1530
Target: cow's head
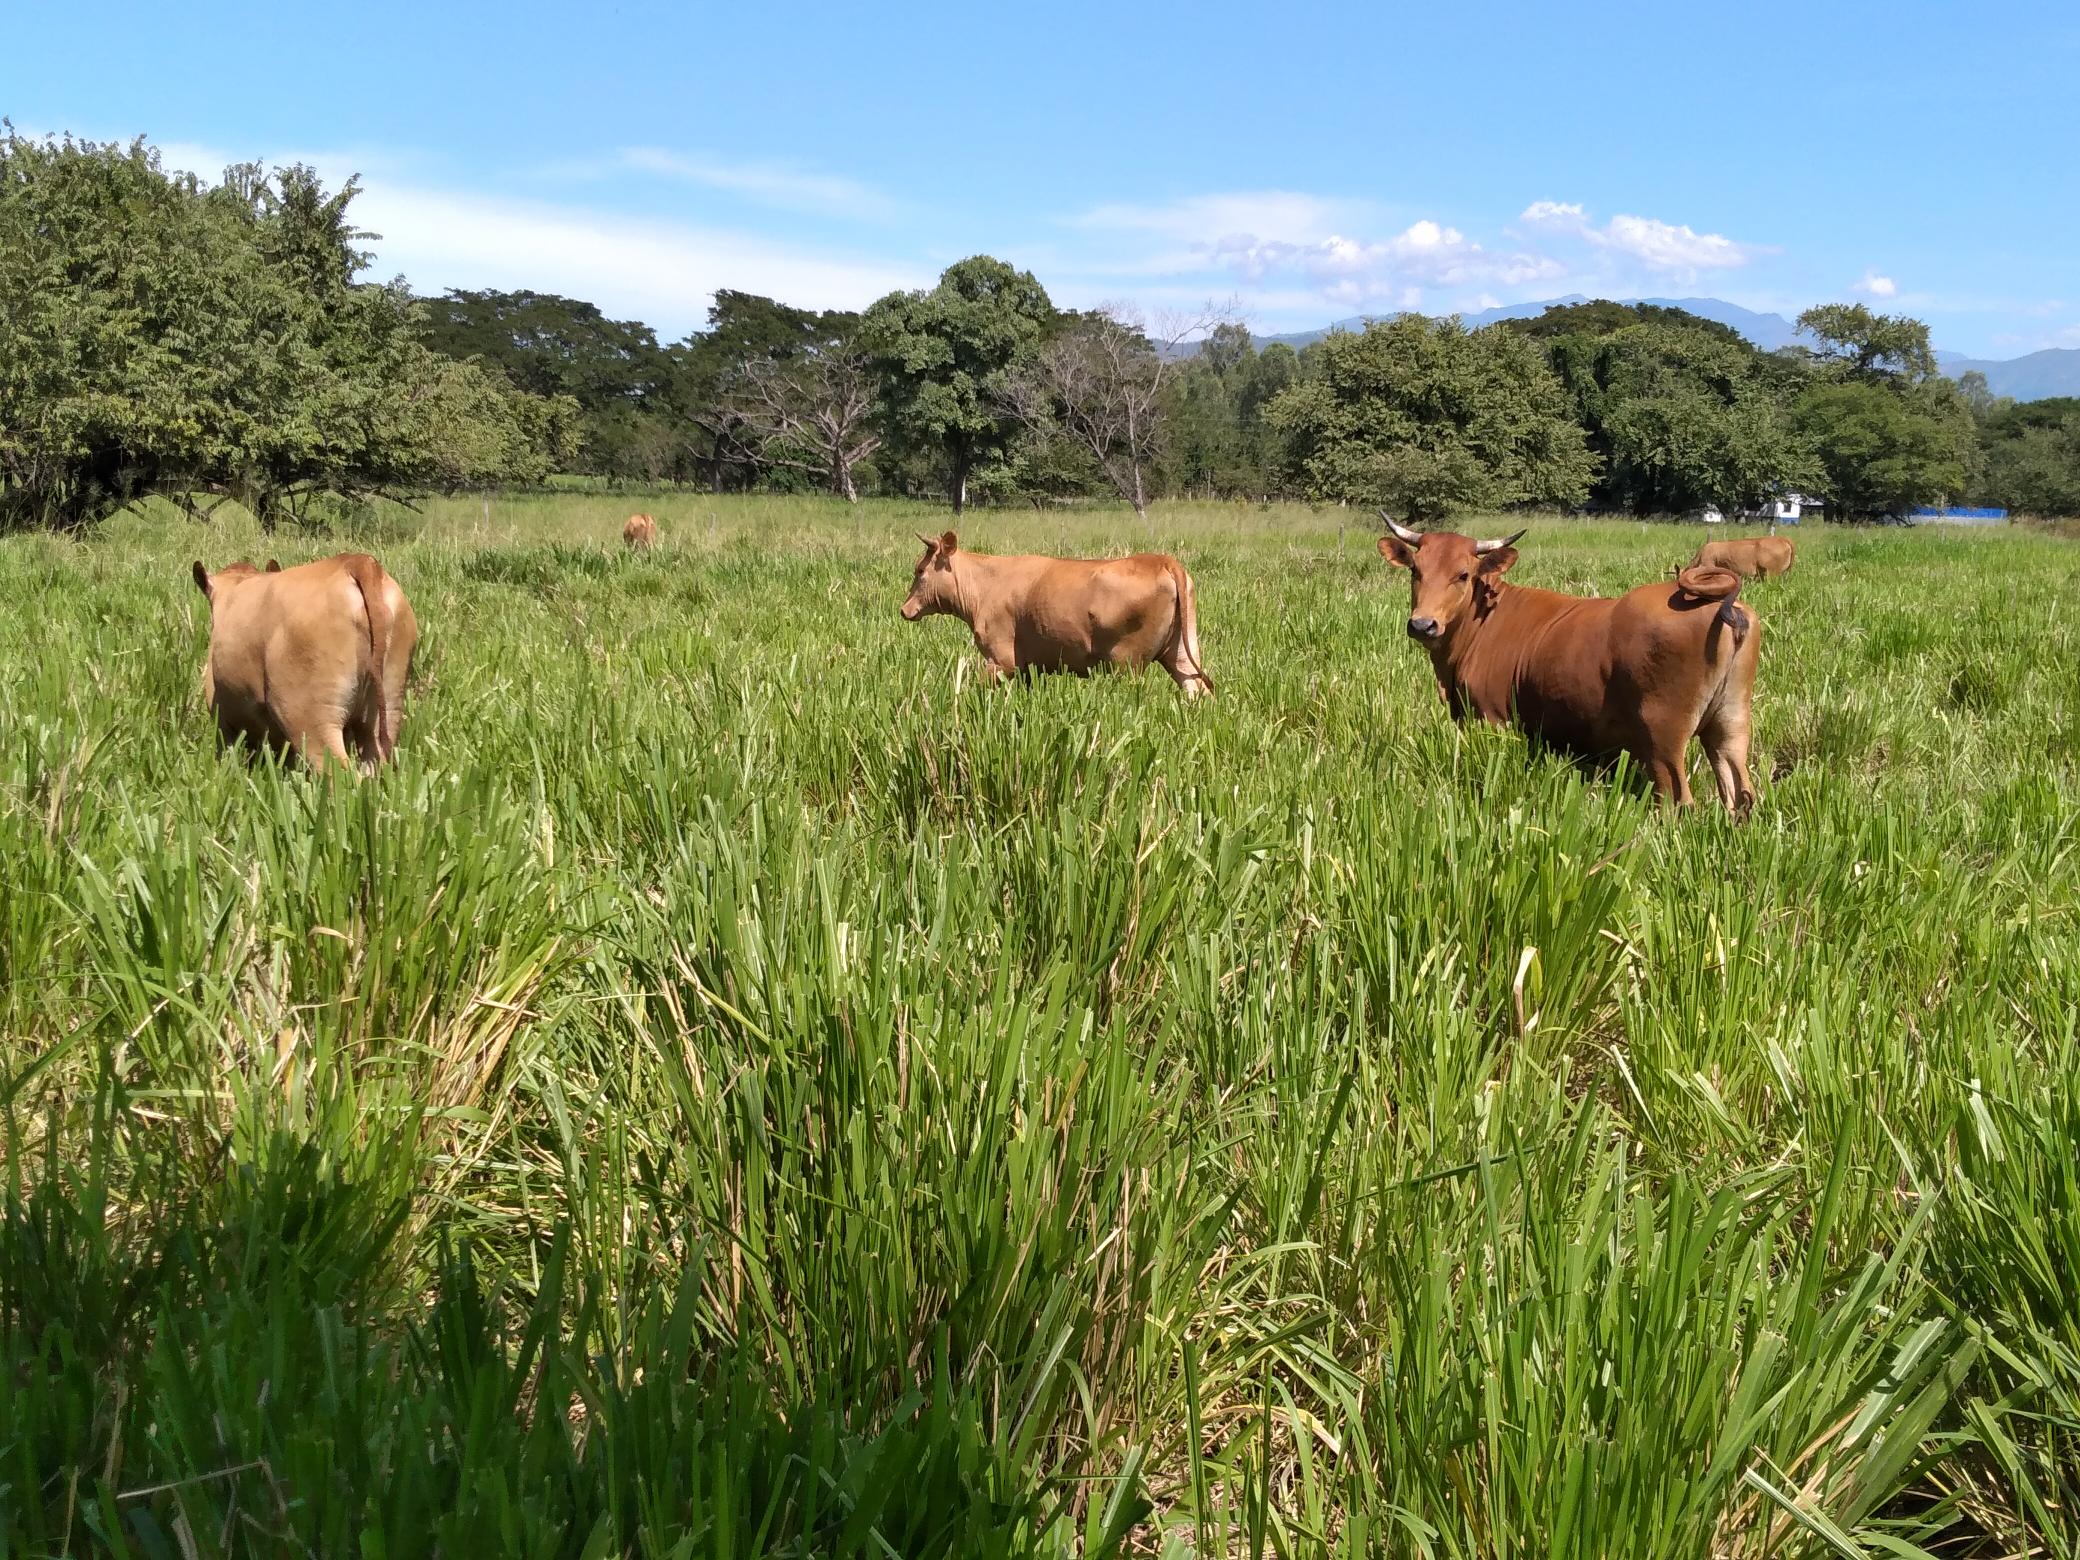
1452	578
932	588
211	585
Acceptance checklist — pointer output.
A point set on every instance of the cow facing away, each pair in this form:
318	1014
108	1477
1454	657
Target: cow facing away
639	532
1640	673
1034	614
312	659
1751	557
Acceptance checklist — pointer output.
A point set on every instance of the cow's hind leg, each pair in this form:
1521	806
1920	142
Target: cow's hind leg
317	731
1661	748
1189	678
1725	738
1724	727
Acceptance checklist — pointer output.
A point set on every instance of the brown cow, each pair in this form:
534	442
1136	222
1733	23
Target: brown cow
639	531
1033	614
1751	557
310	658
1639	673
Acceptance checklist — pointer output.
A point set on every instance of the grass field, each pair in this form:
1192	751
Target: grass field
740	1087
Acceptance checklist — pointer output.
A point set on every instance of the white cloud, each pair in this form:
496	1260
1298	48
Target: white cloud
772	184
1271	240
663	273
1877	286
1660	246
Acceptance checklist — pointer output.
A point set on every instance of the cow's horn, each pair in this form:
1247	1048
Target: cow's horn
1498	543
929	541
1413	538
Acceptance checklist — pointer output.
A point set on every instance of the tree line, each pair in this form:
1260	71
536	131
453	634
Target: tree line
159	334
979	388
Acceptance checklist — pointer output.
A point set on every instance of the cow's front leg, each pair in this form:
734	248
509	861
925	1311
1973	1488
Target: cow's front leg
999	659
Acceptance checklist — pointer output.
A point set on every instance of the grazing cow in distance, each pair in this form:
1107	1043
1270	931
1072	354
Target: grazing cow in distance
312	659
1639	673
1751	557
1034	614
639	532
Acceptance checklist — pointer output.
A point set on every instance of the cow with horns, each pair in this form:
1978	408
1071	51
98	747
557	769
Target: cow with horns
1640	673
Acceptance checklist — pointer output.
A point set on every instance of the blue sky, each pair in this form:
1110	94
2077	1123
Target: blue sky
1303	162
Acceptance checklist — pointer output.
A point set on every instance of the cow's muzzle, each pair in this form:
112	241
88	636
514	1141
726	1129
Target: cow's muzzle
1424	628
910	611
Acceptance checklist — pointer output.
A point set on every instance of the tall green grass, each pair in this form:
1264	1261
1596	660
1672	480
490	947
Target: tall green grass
740	1087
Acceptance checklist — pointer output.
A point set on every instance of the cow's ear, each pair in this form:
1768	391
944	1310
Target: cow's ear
201	578
273	566
1396	552
1497	563
948	542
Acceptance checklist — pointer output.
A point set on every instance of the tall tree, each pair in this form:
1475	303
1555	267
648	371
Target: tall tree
1868	346
1100	380
1681	417
944	359
160	335
1888	431
1425	417
2033	456
549	345
1879	452
813	410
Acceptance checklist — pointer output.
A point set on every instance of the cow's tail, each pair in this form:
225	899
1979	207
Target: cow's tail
1709	582
368	575
1184	640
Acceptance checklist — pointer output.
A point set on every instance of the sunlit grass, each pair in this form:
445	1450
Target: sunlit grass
738	1086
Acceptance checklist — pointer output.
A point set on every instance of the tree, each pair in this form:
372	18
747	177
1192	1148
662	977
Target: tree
1878	452
1868	346
1100	380
813	410
1601	317
548	345
1226	348
1681	417
2033	456
162	336
944	360
1426	417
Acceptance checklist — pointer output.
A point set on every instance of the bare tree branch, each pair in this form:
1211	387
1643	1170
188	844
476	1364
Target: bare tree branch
1101	382
811	412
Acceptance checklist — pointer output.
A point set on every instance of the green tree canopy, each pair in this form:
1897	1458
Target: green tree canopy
1601	317
1878	451
1681	417
160	335
2033	456
1426	417
1864	345
944	358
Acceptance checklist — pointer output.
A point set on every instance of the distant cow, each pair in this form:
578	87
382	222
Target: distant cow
312	659
1032	614
639	532
1751	557
1639	673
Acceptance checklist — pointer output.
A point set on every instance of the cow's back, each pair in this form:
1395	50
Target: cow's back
1072	614
275	634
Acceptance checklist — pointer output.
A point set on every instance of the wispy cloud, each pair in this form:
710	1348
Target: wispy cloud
1875	286
771	184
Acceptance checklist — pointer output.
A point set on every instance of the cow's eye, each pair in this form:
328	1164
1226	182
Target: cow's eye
1464	576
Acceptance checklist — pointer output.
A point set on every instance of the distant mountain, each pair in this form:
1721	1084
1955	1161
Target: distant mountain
2055	371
